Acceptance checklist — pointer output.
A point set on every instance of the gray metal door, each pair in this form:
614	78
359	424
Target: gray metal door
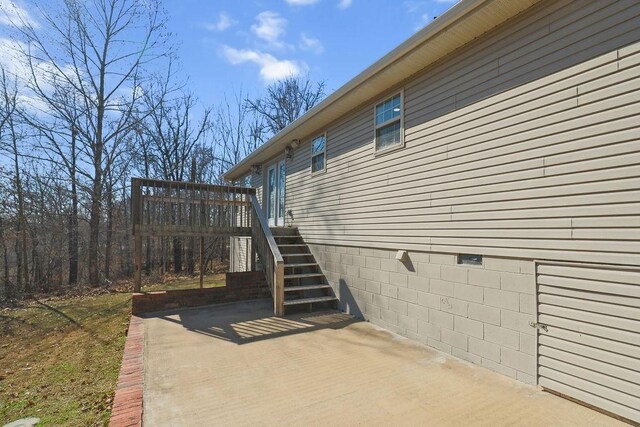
589	334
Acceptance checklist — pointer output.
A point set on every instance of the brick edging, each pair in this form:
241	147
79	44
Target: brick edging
127	402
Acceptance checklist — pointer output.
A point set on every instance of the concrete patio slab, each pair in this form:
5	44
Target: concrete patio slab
236	364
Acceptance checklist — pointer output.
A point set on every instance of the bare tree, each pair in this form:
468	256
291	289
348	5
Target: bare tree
11	138
98	49
173	136
6	282
238	131
117	168
284	102
57	143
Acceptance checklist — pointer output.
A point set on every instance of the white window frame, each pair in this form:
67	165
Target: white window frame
376	126
312	154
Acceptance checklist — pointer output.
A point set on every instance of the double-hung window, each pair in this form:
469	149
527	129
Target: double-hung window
388	124
319	153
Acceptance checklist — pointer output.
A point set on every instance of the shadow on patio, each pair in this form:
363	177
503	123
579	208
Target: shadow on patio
251	321
340	372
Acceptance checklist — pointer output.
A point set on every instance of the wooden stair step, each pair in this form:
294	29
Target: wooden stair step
309	300
284	231
300	254
290	245
302	276
305	287
309	264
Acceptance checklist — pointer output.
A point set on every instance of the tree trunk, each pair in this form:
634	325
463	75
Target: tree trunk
127	235
73	216
21	245
8	291
147	164
109	235
177	255
96	205
192	240
25	259
147	261
19	280
96	193
109	231
94	234
36	265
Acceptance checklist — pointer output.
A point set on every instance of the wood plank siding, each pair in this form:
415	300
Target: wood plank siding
525	143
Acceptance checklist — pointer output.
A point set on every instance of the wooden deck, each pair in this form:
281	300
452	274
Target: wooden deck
196	210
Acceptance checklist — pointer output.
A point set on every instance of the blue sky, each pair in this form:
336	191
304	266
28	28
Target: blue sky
228	45
225	46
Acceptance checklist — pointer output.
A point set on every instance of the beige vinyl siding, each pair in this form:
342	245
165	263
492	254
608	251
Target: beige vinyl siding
589	346
240	256
524	144
256	182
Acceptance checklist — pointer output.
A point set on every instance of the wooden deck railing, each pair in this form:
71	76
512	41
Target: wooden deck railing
170	208
186	209
265	247
189	209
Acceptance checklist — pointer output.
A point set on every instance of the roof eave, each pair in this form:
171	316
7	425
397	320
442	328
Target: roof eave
447	21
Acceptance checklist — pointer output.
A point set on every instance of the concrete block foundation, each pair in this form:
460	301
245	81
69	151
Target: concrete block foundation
480	313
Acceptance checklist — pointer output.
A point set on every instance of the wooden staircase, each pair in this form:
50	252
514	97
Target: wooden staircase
305	286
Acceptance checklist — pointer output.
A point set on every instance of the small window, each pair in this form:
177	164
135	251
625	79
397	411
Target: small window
318	153
388	125
470	259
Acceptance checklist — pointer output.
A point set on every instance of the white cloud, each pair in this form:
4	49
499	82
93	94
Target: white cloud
10	59
223	23
13	14
310	44
15	62
271	27
18	70
271	68
301	2
413	6
425	19
425	10
344	4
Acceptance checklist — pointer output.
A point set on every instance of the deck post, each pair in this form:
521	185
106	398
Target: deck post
278	294
136	211
253	253
201	262
137	263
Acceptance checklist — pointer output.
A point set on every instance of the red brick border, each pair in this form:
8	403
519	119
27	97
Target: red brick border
127	403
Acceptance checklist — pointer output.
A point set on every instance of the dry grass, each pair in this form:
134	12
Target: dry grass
60	359
185	282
